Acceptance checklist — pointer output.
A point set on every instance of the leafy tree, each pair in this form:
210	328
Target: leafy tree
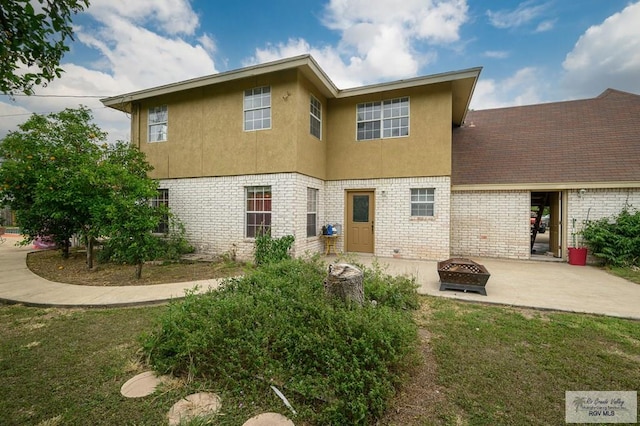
49	174
61	179
128	218
35	38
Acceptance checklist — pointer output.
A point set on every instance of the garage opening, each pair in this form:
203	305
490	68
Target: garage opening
546	226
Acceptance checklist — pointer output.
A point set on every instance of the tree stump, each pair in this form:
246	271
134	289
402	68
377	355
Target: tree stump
345	282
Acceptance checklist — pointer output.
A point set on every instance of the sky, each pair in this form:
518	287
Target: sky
530	51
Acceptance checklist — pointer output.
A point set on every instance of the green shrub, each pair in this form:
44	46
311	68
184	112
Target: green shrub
615	240
170	246
174	244
337	365
270	250
398	292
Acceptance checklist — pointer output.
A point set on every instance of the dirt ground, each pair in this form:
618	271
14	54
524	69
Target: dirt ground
49	264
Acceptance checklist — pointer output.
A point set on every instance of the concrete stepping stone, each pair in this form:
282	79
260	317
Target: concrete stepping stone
194	405
268	419
141	385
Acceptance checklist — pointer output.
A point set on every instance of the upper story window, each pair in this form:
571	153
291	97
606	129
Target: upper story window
422	201
386	119
158	123
315	118
257	108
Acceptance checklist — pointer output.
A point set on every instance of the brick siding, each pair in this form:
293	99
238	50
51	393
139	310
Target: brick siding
594	204
491	224
397	234
213	212
496	223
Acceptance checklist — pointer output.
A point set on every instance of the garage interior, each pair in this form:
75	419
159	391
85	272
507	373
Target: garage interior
546	230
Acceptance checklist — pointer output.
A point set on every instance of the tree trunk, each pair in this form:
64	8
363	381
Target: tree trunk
65	249
139	270
345	281
89	253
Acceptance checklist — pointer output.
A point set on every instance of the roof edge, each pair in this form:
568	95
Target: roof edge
305	62
121	102
539	186
412	82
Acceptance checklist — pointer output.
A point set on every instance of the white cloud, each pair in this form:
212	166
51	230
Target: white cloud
11	115
522	88
139	58
606	55
133	56
380	40
171	16
496	54
523	14
208	43
545	26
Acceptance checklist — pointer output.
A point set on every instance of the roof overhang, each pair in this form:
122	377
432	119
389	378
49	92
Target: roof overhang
536	187
305	63
462	84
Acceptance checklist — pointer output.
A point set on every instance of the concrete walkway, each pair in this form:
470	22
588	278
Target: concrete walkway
535	284
19	285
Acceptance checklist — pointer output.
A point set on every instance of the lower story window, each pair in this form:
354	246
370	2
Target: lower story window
422	201
312	212
258	210
162	200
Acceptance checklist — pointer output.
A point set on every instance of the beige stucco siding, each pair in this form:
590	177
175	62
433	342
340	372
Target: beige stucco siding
425	152
311	151
206	135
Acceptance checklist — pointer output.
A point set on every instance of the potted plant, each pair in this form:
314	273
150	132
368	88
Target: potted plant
577	252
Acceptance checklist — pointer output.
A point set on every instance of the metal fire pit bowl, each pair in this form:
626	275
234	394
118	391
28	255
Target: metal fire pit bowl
463	274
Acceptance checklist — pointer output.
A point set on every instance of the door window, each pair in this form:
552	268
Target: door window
361	208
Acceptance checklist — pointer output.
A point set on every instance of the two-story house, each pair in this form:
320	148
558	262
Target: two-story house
279	146
403	168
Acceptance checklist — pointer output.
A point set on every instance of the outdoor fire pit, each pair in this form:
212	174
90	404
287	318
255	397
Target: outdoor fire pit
463	274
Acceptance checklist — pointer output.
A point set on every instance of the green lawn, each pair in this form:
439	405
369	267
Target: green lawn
495	365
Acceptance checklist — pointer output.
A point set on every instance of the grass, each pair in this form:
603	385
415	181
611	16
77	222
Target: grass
628	273
483	365
508	366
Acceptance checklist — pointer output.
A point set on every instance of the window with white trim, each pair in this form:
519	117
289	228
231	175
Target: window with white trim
312	212
158	119
315	118
162	200
258	210
386	119
257	108
422	202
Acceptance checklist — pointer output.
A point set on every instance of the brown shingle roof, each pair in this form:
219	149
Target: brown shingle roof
591	140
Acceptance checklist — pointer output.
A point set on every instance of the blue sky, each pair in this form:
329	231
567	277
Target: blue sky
531	51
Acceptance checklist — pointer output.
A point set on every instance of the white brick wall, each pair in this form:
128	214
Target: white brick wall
594	204
396	232
496	223
466	223
212	210
491	224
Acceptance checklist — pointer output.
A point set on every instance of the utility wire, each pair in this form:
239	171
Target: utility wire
55	96
41	113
